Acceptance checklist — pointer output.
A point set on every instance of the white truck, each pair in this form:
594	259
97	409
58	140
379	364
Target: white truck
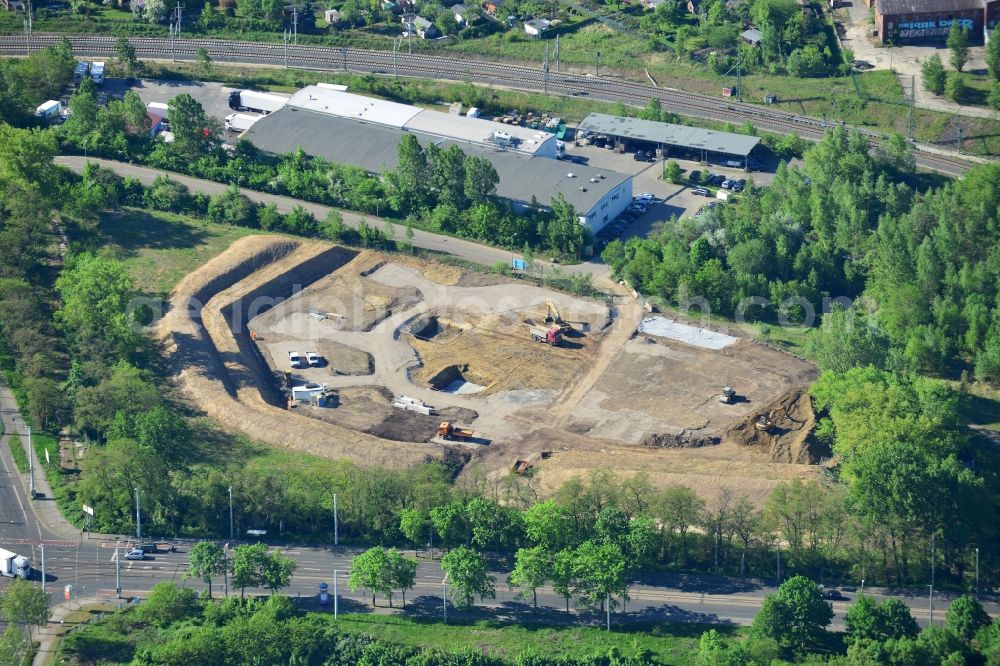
97	73
240	122
81	72
49	109
13	565
251	100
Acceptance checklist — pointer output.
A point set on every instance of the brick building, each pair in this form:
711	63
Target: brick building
928	21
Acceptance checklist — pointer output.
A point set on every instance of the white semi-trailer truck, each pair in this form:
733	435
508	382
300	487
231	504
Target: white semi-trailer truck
13	565
251	100
240	122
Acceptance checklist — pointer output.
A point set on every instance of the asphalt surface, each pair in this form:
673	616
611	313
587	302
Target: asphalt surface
91	564
468	69
474	252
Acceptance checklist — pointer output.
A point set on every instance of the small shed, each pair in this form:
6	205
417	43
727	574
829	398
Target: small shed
751	36
460	12
331	16
535	27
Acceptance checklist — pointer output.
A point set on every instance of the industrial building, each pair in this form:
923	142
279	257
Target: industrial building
701	144
928	21
352	129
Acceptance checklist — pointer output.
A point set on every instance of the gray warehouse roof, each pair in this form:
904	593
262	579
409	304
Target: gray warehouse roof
674	135
373	148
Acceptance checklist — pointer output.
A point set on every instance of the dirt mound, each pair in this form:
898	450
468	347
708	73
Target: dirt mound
205	338
782	428
679	441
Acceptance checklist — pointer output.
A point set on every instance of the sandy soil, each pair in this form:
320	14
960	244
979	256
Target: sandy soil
393	326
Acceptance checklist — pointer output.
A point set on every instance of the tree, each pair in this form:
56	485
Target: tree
248	566
14	646
955	87
897	621
195	133
599	573
993	54
371	570
846	341
562	574
993	99
96	297
25	603
933	75
966	617
125	53
672	171
402	572
862	621
532	567
795	616
204	61
414	524
548	524
958	44
205	561
468	576
277	571
168	603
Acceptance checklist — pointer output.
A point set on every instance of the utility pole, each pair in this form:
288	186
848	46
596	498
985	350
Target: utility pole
395	54
716	552
27	30
336	525
977	573
343	57
31	465
913	97
138	516
284	38
597	64
179	13
545	72
930	597
557	53
118	571
295	24
231	535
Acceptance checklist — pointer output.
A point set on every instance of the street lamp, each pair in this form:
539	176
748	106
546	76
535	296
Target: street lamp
977	573
31	464
231	513
336	526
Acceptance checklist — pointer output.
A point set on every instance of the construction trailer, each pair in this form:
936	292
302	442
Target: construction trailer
97	73
49	109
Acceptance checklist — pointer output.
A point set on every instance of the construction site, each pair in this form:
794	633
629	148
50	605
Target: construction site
392	360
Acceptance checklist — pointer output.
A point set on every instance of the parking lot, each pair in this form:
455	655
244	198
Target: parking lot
213	97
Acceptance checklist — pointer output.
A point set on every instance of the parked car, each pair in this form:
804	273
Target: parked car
294	359
135	554
739	185
717	179
147	547
640	156
701	191
727	184
313	359
648	197
695	176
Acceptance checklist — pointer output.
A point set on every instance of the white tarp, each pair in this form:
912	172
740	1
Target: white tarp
692	335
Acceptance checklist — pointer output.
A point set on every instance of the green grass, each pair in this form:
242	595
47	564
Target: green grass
161	248
669	643
17	453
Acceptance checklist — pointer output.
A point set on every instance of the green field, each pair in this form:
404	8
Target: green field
675	644
161	248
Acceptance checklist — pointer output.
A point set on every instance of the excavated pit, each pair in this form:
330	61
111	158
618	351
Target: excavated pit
460	379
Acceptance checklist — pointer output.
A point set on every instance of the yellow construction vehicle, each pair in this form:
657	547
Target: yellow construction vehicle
448	430
554	317
764	421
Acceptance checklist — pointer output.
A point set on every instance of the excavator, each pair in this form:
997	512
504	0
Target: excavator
554	317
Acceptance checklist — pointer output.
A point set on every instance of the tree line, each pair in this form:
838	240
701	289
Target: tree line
442	189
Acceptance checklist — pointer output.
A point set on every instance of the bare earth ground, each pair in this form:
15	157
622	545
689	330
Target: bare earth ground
394	326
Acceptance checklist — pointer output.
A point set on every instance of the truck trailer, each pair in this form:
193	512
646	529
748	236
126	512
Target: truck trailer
97	73
550	336
49	109
240	122
81	72
250	100
13	565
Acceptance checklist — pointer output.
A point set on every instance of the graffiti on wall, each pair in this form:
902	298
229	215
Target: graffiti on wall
940	28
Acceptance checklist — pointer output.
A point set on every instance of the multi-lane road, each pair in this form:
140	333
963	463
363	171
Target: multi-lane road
467	68
90	563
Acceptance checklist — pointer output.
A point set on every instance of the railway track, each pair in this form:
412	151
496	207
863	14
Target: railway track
448	68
